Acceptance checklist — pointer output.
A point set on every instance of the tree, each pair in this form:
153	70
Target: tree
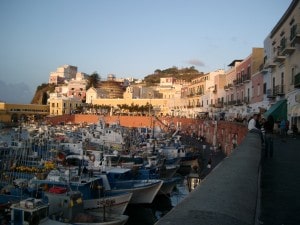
93	80
44	98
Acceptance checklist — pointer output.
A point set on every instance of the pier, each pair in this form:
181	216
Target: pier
246	188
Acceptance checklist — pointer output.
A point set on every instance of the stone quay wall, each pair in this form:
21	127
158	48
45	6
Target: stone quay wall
228	195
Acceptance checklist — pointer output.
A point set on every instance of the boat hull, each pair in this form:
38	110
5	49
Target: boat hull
143	192
115	204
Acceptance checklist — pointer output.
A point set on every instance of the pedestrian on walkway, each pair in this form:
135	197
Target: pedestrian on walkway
252	123
282	127
269	127
253	126
287	127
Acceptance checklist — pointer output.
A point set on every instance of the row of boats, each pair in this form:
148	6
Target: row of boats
86	174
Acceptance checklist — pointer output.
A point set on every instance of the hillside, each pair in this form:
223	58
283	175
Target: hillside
42	94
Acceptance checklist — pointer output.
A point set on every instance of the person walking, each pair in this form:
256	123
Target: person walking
269	127
282	127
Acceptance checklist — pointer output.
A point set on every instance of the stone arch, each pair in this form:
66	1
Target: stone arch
14	118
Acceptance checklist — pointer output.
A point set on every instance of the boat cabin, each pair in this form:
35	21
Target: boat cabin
29	211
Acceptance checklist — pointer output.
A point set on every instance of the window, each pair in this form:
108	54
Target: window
258	89
265	88
293	32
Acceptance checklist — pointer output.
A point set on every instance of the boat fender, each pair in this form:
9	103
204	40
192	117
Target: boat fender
92	157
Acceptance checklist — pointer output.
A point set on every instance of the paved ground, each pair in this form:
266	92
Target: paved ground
280	184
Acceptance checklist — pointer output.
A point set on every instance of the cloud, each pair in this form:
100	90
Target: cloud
195	62
15	93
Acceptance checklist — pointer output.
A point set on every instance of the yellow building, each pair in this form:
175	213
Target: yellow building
60	105
22	112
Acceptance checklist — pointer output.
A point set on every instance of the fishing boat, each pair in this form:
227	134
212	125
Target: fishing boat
122	180
58	210
92	189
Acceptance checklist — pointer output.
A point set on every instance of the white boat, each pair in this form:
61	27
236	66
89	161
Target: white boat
120	180
61	210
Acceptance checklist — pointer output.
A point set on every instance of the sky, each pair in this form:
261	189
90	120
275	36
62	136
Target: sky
127	38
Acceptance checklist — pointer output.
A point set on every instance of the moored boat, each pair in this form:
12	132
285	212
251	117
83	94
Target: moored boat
60	209
121	180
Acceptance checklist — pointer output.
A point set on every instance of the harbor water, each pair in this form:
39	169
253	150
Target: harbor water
162	204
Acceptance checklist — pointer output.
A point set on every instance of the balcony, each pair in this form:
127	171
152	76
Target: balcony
238	82
269	65
287	49
270	93
238	102
246	78
279	57
297	81
231	102
279	90
199	93
219	105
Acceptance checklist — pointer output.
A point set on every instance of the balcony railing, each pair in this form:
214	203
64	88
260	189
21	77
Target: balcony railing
228	87
237	82
231	102
238	102
199	93
270	93
287	49
246	78
269	65
279	57
279	90
297	81
219	105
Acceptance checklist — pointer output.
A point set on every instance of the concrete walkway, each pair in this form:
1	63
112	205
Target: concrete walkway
280	184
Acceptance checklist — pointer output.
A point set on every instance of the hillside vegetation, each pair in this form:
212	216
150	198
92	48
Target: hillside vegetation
186	74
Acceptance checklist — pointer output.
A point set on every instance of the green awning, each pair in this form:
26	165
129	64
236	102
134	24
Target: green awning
278	110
